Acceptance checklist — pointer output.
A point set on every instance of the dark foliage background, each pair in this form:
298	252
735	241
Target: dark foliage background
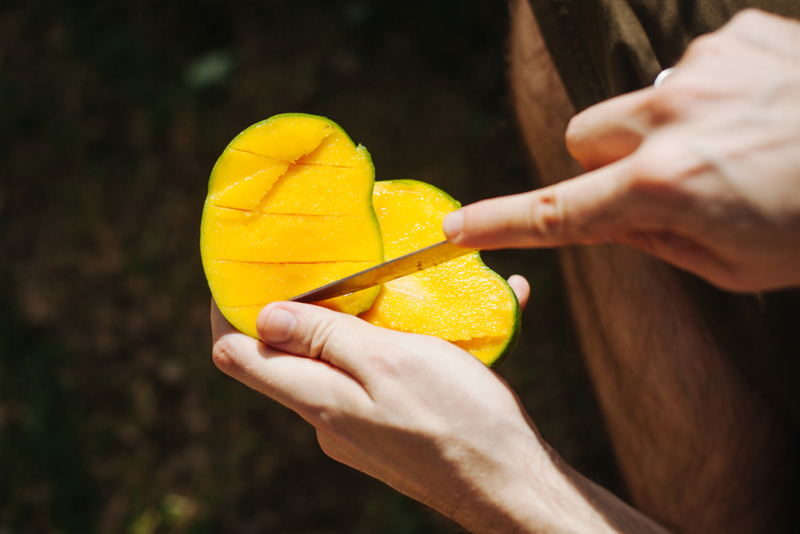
112	415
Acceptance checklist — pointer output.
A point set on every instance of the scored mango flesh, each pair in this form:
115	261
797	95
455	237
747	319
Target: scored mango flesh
289	208
462	300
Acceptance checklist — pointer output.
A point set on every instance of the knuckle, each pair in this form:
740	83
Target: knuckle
709	45
672	100
547	215
322	336
331	446
745	19
683	97
327	446
223	354
575	128
337	420
317	335
656	170
327	419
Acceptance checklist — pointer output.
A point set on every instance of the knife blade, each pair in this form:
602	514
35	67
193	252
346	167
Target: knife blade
386	272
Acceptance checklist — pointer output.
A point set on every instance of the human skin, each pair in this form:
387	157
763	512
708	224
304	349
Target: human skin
703	171
421	415
699	449
432	422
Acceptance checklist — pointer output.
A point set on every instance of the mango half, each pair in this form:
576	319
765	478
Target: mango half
462	300
289	208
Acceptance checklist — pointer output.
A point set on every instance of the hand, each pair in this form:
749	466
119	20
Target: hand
414	411
703	171
418	413
400	407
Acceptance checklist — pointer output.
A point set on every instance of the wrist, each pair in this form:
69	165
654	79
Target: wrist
523	491
547	499
534	491
569	502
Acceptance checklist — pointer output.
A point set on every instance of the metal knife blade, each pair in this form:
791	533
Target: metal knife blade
386	272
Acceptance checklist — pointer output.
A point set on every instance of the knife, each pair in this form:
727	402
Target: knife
387	271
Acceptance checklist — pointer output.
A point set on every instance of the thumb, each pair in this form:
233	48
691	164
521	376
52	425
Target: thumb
315	332
581	210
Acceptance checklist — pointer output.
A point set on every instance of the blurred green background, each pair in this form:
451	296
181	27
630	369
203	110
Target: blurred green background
113	417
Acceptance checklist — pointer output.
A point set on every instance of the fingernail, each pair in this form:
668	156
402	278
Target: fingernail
453	224
279	326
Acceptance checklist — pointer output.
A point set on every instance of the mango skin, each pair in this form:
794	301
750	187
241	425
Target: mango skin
289	208
461	301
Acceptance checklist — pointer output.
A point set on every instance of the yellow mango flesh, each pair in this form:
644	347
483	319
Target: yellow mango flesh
289	208
461	301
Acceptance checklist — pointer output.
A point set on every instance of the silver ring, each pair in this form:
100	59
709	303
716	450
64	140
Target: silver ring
663	75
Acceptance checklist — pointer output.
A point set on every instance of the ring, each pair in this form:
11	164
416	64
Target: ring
663	75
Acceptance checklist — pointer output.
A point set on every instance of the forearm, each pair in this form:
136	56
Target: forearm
698	447
531	490
601	510
423	416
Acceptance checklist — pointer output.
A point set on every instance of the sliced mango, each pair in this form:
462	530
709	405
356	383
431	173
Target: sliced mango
461	301
289	208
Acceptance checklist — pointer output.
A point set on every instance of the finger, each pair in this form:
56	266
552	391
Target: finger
611	130
521	288
580	210
341	340
304	385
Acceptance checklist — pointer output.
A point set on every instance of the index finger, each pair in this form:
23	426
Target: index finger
583	210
